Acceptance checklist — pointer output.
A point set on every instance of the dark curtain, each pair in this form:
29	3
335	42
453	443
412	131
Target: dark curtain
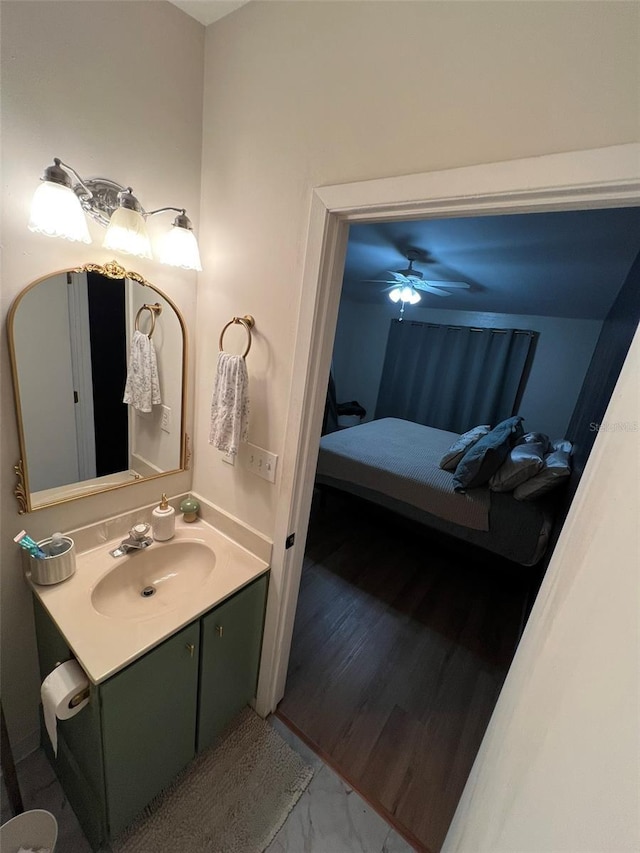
453	377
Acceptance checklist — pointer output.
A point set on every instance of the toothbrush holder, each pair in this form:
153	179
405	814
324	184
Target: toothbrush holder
54	568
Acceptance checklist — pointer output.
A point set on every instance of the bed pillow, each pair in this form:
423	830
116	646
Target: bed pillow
460	446
522	463
482	460
556	468
536	438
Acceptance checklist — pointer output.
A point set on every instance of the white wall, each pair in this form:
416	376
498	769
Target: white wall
306	94
114	89
563	354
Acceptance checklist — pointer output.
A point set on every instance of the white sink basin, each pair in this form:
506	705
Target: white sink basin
148	583
106	621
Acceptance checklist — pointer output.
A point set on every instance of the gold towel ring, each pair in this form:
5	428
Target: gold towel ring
154	310
248	322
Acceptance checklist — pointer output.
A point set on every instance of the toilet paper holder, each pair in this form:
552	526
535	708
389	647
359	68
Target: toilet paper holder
79	697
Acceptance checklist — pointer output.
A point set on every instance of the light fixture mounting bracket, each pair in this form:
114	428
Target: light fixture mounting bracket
103	199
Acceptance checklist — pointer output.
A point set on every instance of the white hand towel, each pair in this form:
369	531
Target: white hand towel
230	404
142	389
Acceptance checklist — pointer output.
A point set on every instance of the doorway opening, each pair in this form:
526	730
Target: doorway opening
404	634
578	180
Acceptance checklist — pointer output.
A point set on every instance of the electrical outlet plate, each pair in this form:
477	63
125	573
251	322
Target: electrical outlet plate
261	462
229	458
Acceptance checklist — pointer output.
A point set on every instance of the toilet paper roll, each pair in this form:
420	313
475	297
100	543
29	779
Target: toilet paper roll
57	690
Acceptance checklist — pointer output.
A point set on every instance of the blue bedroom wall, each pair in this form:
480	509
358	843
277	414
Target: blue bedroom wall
563	355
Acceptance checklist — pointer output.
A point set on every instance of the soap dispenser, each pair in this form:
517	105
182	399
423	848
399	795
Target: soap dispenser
164	521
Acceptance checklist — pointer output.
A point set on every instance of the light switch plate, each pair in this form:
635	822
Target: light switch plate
165	419
261	462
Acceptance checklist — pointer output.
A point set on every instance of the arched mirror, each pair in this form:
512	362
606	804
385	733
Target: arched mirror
82	342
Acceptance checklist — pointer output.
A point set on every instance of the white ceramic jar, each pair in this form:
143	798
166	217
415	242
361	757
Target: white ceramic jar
163	521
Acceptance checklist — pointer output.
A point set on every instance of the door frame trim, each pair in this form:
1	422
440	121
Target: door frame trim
601	177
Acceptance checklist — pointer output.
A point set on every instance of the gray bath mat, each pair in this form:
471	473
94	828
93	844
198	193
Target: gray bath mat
231	799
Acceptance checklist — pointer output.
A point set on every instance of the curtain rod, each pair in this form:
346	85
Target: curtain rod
470	328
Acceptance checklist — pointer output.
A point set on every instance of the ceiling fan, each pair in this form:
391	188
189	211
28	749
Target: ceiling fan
406	283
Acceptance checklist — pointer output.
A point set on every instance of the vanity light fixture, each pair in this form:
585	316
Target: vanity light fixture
180	247
57	211
127	230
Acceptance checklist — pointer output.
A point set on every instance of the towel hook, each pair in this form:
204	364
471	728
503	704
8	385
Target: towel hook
248	322
154	310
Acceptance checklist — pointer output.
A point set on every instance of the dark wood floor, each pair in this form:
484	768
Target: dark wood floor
401	644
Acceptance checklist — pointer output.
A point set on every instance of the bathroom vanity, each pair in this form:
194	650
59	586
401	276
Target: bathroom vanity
164	681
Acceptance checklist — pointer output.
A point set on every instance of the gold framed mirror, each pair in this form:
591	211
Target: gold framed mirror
81	342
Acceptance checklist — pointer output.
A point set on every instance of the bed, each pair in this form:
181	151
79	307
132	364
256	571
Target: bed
395	463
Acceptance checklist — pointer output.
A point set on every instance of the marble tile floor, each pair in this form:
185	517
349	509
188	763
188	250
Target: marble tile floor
328	818
40	789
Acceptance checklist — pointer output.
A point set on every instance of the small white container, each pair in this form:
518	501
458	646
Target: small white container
163	521
55	568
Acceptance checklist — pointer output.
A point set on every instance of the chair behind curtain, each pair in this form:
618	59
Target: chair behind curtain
453	377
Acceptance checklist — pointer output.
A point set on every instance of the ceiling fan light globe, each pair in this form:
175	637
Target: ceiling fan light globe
415	298
394	295
407	293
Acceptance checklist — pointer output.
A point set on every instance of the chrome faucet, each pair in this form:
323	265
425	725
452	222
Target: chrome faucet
137	540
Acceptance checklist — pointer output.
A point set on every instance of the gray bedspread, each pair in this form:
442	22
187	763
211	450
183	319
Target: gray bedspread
400	459
400	471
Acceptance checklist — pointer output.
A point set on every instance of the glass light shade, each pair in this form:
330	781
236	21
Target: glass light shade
127	232
56	212
179	248
404	294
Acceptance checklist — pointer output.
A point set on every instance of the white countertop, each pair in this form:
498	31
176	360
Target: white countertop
104	644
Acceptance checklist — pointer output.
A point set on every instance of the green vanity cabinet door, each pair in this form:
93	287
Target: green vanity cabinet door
148	725
230	657
52	648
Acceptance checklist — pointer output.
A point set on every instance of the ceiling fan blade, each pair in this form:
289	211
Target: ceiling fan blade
435	290
397	279
435	283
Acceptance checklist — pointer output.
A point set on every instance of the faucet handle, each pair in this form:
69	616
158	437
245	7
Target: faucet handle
139	531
